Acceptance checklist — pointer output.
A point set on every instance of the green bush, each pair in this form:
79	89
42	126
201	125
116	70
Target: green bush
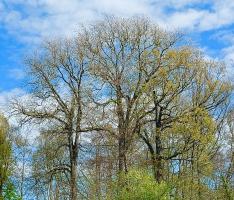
10	193
140	185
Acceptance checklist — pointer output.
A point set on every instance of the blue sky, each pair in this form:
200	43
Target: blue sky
25	23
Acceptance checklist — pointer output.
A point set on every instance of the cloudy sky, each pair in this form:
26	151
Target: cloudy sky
24	23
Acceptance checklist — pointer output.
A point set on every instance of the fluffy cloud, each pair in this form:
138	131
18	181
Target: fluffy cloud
221	14
228	57
46	18
226	53
188	19
28	131
5	97
31	20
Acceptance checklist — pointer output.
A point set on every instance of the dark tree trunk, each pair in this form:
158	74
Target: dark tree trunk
158	160
73	181
155	156
156	163
158	143
122	155
122	132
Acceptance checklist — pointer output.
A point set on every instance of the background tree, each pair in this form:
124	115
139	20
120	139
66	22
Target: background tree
5	154
49	182
124	56
21	162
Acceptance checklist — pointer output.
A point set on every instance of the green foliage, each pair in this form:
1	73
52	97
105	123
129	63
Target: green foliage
225	189
5	153
9	192
139	184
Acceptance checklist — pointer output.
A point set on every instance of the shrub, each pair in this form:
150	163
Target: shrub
140	185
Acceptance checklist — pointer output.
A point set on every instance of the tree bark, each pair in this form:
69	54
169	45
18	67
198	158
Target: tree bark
73	181
122	156
122	132
158	159
158	142
156	162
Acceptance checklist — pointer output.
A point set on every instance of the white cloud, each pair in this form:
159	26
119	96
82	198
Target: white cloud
229	53
212	16
29	131
6	98
188	19
220	15
226	37
228	57
31	20
46	18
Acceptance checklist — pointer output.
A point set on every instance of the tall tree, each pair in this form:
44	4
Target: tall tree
56	76
125	56
188	93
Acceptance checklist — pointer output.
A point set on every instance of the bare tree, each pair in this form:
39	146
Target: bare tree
124	57
56	76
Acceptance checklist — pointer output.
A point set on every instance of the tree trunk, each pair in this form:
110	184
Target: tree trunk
154	168
73	181
158	160
22	179
121	154
155	156
158	143
122	131
122	161
98	173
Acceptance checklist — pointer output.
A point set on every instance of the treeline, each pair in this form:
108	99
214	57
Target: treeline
126	110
